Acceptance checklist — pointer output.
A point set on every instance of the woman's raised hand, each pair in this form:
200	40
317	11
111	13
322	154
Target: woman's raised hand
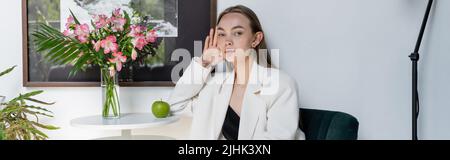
211	53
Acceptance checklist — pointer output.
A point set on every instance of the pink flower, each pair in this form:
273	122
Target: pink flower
133	54
139	42
82	32
136	30
100	21
83	39
151	36
109	44
66	33
70	19
116	12
69	33
117	23
70	22
118	60
97	45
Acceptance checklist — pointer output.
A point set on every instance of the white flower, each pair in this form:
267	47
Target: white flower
136	20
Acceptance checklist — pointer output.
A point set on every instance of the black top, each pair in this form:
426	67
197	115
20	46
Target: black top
230	128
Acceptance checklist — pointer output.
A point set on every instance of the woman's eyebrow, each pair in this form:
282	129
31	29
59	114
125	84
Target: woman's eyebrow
235	27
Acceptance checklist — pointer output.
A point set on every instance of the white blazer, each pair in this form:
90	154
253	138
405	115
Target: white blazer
270	108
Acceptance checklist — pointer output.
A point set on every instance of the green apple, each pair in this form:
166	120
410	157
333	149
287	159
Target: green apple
160	109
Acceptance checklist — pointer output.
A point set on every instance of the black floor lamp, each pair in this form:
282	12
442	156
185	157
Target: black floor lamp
414	59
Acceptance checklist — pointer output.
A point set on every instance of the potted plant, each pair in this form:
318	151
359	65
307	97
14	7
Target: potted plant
14	114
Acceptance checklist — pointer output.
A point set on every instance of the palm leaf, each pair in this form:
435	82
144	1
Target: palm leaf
26	95
37	134
49	127
38	108
29	132
74	52
10	109
7	71
38	101
64	53
75	18
35	113
80	63
57	47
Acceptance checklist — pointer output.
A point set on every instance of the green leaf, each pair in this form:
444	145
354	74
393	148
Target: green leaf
48	44
92	23
79	64
55	47
10	109
38	132
50	31
33	93
49	127
63	54
7	71
75	18
27	95
14	122
2	134
127	17
38	101
35	113
73	55
38	108
57	51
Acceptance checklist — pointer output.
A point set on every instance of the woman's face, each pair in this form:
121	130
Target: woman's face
235	37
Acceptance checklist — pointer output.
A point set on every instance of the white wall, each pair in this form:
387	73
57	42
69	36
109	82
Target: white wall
347	55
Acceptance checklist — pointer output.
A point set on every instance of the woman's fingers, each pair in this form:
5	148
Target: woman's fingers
211	36
206	43
215	38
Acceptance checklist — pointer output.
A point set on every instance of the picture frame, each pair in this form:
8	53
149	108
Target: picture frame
194	19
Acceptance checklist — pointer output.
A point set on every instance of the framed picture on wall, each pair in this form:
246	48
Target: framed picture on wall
180	24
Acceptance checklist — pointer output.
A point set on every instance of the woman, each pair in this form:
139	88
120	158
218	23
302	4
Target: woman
250	101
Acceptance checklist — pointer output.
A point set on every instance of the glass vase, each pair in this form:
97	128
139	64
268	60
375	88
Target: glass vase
110	94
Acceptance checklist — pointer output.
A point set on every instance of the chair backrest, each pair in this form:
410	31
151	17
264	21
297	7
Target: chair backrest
328	125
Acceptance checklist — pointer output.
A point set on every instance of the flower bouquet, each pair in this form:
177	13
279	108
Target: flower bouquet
110	43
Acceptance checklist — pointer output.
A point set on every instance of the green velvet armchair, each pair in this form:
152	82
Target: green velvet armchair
328	125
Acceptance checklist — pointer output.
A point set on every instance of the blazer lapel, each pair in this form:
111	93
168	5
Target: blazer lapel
221	102
252	106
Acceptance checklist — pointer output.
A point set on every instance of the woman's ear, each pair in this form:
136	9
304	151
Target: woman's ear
259	36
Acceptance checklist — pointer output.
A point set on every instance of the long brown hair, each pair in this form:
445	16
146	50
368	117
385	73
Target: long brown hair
256	27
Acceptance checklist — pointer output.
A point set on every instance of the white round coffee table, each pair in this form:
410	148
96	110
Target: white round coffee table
125	123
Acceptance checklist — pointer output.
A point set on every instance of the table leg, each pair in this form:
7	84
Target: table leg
126	133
